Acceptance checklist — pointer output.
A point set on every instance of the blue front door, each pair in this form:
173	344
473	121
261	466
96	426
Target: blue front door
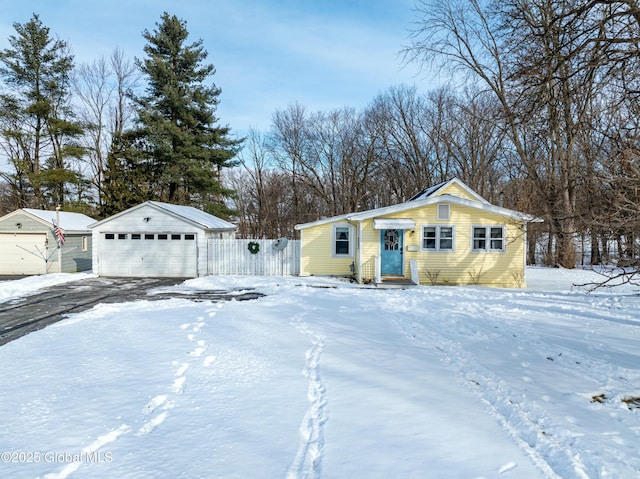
391	251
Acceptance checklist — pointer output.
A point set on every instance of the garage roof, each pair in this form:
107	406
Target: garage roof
190	213
68	221
187	213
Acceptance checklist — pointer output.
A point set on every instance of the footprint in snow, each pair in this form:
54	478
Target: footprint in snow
178	385
154	403
150	425
197	352
197	327
507	467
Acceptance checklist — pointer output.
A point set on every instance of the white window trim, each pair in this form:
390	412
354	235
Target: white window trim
437	248
488	239
448	211
351	240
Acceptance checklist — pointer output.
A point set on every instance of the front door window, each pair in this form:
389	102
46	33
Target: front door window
391	240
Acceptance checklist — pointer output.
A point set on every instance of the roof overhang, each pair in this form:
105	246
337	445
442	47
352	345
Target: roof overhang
189	215
393	224
419	203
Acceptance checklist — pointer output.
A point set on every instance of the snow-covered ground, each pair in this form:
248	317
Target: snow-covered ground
324	379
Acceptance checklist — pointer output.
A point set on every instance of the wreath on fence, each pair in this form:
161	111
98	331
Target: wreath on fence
254	247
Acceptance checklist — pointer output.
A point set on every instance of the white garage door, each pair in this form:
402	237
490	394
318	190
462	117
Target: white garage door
22	253
149	254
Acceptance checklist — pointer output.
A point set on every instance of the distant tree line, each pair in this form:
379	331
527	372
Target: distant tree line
542	115
102	137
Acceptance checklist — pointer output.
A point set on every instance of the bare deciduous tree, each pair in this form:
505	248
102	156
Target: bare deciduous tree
102	88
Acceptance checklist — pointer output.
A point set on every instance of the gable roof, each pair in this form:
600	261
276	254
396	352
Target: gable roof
424	198
69	221
186	213
195	215
431	190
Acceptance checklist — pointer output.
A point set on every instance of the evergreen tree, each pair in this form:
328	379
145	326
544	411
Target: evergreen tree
38	130
177	148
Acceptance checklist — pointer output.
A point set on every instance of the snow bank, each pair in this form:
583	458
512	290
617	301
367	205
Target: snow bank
31	284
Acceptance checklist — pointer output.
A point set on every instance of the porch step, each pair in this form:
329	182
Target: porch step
395	283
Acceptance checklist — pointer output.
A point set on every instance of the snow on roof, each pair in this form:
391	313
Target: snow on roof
419	203
428	191
68	221
203	218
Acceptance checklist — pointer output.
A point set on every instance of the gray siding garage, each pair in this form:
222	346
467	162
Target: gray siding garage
156	239
28	245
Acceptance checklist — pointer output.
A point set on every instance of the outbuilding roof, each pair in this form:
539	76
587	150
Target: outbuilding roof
68	221
186	213
203	218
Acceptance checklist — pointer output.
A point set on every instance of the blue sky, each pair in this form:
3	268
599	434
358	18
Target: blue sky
324	54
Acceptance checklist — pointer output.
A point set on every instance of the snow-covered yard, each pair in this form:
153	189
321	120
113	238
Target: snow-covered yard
324	379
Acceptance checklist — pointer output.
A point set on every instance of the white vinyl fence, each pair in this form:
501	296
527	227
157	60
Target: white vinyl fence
232	256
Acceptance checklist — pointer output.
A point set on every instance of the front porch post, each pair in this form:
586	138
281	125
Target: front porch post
359	255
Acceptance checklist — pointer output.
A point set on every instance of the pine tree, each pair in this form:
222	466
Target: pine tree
38	129
177	142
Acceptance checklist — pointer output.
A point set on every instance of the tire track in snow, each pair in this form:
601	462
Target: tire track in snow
308	461
575	364
497	396
543	438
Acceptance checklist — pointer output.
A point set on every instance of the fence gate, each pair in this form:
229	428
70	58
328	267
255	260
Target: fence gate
232	256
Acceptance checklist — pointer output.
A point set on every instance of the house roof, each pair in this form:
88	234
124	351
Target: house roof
187	213
425	198
68	221
430	191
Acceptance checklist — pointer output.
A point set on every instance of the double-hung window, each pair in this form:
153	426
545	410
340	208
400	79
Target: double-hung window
342	240
438	238
488	238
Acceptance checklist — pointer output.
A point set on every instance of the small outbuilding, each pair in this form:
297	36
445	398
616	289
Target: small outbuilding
446	234
156	239
29	244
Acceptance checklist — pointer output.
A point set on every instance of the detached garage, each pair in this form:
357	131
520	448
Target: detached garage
156	239
29	246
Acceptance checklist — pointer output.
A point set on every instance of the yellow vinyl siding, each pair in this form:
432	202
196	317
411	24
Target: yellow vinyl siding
455	190
317	248
370	249
461	266
458	267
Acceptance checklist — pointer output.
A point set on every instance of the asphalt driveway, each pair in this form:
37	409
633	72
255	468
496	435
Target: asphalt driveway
24	315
